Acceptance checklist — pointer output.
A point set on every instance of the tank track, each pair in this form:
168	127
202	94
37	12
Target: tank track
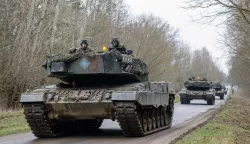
42	127
136	121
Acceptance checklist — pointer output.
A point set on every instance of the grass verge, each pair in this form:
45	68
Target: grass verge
12	122
231	125
177	98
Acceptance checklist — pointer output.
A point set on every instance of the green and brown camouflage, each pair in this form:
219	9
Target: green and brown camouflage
107	67
109	85
197	89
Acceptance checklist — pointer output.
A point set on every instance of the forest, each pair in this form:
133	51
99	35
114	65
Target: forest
235	16
32	29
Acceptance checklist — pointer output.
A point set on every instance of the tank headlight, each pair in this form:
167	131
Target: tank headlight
107	95
104	48
50	96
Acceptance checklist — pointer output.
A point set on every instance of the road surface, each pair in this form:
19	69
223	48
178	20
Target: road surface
185	117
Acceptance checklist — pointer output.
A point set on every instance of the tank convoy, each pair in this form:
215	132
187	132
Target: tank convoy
109	85
197	89
219	90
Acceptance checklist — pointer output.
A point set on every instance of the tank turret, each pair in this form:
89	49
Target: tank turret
197	85
105	68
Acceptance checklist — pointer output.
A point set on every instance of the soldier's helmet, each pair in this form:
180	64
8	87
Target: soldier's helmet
115	42
84	42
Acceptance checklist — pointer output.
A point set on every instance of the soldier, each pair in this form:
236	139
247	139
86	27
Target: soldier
204	79
115	44
193	78
84	49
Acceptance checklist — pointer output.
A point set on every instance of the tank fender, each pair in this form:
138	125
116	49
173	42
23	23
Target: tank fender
33	97
142	97
124	96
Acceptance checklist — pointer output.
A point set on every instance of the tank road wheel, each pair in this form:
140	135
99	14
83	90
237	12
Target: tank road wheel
136	120
162	116
158	117
140	117
154	117
165	117
145	121
169	117
40	124
150	121
170	107
210	100
222	96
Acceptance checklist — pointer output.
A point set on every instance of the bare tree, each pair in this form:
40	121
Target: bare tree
31	29
237	36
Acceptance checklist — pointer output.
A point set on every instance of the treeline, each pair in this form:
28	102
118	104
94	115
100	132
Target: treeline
30	29
236	17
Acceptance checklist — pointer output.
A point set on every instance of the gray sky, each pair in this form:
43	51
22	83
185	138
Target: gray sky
195	34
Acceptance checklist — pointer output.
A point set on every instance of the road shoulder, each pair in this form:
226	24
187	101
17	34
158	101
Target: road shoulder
230	125
12	122
180	130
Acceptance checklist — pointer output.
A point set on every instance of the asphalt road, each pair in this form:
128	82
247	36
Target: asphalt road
110	132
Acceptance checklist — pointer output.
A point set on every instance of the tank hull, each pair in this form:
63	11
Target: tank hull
72	105
187	95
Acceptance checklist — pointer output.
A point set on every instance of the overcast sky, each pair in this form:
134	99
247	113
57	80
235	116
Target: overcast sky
195	34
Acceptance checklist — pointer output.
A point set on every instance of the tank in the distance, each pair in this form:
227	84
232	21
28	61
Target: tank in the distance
219	90
225	89
109	85
197	89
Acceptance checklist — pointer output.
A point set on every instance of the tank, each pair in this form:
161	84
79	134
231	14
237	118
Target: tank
109	85
219	90
225	89
197	89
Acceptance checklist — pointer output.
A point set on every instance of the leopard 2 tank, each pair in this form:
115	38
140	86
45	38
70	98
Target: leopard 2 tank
109	85
197	89
219	90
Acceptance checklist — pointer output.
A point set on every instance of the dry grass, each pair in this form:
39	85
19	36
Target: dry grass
12	122
230	126
177	98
